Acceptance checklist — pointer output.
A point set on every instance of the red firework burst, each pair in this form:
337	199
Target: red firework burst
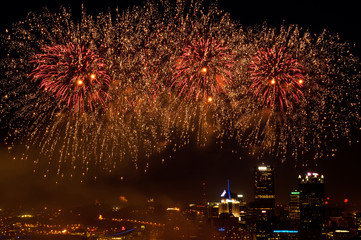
75	75
204	69
277	78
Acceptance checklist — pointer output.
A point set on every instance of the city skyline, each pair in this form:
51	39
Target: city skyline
136	184
179	178
307	215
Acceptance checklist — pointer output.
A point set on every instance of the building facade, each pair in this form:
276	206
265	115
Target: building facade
262	209
358	223
294	210
312	206
232	204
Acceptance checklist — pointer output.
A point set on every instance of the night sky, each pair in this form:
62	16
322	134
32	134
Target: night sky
179	178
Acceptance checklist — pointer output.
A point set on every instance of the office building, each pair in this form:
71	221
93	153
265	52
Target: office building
358	223
232	204
264	185
294	209
312	206
262	209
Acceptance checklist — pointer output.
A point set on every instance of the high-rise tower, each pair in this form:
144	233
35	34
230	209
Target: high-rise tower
232	204
264	190
312	206
262	209
294	209
358	223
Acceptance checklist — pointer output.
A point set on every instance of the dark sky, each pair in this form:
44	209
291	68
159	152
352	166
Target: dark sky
179	178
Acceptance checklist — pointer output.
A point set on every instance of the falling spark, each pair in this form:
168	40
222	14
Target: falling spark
87	95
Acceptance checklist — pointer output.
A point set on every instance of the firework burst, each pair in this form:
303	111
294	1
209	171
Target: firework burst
204	69
90	94
191	61
304	85
74	75
277	78
76	96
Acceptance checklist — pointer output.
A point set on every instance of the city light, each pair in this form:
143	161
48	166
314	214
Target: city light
262	168
223	193
229	201
173	209
309	174
230	207
285	231
26	216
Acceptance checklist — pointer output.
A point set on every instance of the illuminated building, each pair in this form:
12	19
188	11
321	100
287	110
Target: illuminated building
195	212
231	217
264	185
174	225
312	206
262	209
212	209
284	234
294	209
226	227
232	204
358	223
342	234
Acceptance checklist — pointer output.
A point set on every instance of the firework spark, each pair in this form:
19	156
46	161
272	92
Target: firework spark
277	78
303	91
75	75
204	69
73	93
90	94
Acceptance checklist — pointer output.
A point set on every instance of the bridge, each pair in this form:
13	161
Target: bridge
125	233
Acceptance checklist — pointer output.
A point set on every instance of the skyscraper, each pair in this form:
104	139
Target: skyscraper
312	206
264	190
358	223
294	209
262	209
232	204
